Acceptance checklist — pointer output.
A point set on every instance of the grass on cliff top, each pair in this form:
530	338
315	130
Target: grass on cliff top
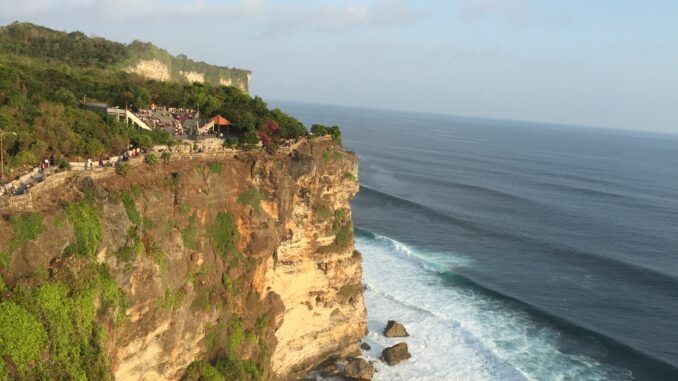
252	197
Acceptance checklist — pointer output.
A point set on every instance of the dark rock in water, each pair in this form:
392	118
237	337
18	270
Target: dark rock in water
395	329
359	369
331	370
365	346
395	354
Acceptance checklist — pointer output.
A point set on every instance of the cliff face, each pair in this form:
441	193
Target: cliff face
249	260
152	62
138	57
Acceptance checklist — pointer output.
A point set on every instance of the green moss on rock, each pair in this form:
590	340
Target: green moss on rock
84	216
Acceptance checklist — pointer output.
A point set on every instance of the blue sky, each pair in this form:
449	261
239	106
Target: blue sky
598	63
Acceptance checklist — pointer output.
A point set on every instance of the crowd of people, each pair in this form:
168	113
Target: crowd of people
168	118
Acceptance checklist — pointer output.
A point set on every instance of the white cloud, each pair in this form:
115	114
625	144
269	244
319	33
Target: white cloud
513	12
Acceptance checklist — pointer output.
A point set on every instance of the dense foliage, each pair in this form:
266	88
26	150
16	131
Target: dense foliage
52	322
45	74
320	130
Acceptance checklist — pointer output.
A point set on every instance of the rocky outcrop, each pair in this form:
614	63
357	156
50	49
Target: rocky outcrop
151	69
358	369
395	329
395	354
248	260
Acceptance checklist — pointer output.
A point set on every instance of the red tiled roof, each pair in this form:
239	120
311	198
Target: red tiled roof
220	121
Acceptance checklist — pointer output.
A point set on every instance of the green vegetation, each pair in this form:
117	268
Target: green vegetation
190	233
342	228
54	330
150	159
125	253
229	365
224	369
320	130
130	208
172	299
45	73
349	176
203	371
84	216
165	156
252	197
225	235
26	227
21	335
123	169
148	223
215	167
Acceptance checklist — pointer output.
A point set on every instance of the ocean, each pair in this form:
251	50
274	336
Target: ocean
514	250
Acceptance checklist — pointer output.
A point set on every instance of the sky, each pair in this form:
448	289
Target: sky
606	63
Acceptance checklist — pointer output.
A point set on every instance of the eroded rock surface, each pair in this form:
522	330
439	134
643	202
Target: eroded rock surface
395	354
395	329
256	247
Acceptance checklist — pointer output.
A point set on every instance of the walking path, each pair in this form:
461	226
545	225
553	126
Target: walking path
18	194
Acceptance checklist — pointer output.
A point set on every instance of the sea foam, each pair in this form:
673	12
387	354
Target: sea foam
456	333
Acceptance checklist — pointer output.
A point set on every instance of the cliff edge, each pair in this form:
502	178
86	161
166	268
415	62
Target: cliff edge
244	266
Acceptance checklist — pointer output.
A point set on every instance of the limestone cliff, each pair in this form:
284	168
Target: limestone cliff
138	57
152	62
245	262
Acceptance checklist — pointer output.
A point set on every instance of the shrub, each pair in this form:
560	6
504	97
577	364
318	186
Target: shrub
225	235
272	148
343	232
25	227
230	142
166	156
172	299
202	371
334	132
123	169
125	253
349	176
84	217
252	197
130	208
150	159
62	163
22	337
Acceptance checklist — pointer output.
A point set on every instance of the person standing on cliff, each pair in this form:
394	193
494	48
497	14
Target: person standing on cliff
89	164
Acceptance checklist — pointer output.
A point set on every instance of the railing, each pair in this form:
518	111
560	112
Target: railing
23	202
137	121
